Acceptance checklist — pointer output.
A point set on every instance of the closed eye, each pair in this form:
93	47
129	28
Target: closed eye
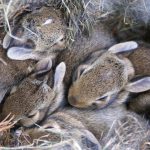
32	115
103	98
58	42
49	127
61	40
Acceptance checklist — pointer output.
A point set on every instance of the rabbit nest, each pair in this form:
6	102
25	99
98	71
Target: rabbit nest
79	19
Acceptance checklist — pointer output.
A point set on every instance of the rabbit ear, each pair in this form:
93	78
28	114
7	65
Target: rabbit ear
123	47
139	85
2	94
6	41
43	65
21	53
59	74
79	71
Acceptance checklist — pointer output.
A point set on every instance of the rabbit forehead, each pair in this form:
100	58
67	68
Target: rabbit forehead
44	14
105	64
29	96
35	88
101	61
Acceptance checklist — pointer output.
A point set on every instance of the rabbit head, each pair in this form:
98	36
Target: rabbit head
30	100
42	31
97	82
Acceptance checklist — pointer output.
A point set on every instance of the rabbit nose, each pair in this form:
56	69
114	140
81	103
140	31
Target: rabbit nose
73	100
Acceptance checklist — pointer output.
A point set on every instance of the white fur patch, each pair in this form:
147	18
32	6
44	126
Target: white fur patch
48	21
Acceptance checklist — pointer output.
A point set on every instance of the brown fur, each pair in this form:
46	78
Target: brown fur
140	103
31	99
140	59
106	76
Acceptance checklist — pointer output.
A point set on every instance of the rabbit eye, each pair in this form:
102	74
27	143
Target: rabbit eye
62	40
49	127
103	98
31	116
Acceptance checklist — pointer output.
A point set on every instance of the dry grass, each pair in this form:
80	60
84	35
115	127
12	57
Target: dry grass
80	15
128	133
5	126
6	123
23	140
8	11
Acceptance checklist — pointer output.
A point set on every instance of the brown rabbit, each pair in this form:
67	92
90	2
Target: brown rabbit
12	72
30	100
42	31
140	62
97	80
71	123
88	77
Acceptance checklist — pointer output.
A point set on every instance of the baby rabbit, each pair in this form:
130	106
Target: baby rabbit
75	122
12	72
30	100
42	31
97	80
